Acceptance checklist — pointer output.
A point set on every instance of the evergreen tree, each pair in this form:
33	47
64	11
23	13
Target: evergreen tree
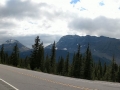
88	65
47	64
95	72
67	65
53	58
118	75
72	65
21	63
11	59
6	58
82	67
60	68
37	56
41	57
112	73
15	55
104	69
77	64
99	71
26	62
107	76
2	54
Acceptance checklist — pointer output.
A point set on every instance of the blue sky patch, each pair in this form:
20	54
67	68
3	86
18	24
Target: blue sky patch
74	1
101	3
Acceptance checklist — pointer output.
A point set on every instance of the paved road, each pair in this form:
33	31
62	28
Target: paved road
31	80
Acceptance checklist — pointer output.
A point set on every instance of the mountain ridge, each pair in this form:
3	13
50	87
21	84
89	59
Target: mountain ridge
10	43
103	47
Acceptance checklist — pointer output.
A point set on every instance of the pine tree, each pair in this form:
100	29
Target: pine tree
15	55
82	67
47	64
88	65
99	71
112	73
107	76
67	65
72	65
11	59
2	53
34	60
21	63
95	72
53	58
6	58
37	56
118	75
26	62
41	57
60	66
77	64
104	69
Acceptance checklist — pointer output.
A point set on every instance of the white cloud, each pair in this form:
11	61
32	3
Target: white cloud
52	17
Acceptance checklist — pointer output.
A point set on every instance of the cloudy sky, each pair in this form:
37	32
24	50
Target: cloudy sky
51	19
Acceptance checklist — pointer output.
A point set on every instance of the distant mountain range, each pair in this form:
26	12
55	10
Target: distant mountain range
102	48
9	44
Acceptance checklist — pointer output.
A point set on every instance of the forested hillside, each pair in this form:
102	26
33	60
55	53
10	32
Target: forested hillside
101	47
82	66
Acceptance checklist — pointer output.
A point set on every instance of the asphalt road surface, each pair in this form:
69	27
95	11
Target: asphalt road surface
12	78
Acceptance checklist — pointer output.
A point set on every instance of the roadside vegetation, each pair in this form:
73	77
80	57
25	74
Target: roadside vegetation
82	66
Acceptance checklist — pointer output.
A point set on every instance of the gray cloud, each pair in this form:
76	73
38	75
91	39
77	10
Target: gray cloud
2	32
19	9
99	26
6	24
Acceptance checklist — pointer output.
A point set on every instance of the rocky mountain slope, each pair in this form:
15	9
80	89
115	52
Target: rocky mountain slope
101	47
9	44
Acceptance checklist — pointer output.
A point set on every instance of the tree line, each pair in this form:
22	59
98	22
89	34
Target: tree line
82	66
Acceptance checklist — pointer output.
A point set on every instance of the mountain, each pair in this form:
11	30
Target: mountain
101	47
9	44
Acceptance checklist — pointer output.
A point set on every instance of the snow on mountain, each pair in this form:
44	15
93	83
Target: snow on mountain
9	44
64	48
102	47
10	41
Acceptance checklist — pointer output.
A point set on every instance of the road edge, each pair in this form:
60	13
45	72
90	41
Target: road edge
9	84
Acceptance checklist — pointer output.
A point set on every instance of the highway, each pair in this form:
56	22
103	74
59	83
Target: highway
22	79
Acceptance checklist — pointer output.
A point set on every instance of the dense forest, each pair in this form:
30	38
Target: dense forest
82	66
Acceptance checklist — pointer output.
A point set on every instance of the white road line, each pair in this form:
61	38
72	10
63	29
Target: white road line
9	84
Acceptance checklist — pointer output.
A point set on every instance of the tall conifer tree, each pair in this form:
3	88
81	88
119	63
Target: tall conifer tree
37	56
53	58
2	54
15	55
118	75
88	65
113	70
77	64
47	64
67	65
